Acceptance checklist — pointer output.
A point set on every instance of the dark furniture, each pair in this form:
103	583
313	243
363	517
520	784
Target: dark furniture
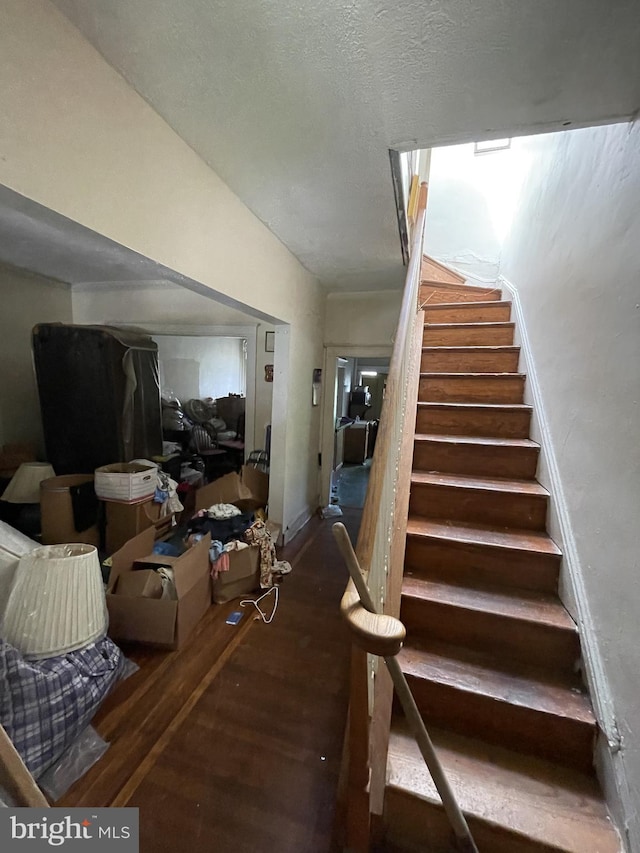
99	395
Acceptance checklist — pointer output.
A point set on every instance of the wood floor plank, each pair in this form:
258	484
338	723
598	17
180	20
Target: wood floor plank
243	756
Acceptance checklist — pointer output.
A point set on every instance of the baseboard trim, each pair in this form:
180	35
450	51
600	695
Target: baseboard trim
573	574
609	760
296	526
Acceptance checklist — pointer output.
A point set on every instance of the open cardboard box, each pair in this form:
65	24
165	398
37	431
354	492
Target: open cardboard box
126	520
160	622
242	578
248	490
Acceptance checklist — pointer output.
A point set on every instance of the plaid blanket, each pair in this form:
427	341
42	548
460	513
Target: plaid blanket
44	705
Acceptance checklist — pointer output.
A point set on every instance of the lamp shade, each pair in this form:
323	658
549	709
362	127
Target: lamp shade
24	487
57	602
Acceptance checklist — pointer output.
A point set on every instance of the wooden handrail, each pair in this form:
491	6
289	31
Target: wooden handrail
373	632
389	646
380	550
405	322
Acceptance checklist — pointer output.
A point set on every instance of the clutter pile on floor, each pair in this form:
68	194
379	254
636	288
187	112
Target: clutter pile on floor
65	602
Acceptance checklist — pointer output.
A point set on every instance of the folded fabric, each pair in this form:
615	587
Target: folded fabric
45	704
220	511
235	545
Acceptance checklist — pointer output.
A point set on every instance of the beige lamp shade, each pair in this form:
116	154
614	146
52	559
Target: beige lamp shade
24	487
57	602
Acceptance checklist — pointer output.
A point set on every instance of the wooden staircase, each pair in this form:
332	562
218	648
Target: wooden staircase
491	656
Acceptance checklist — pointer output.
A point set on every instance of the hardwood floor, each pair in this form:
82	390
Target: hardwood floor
234	743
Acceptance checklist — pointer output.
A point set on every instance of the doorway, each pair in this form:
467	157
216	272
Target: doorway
356	378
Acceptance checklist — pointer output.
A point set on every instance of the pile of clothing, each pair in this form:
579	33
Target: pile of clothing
231	530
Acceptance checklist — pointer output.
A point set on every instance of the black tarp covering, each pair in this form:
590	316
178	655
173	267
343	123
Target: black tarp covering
99	395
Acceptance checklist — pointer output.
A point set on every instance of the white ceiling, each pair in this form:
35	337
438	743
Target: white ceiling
296	104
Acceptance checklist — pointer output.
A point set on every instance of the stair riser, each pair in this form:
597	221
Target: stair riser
483	460
468	336
473	565
507	639
559	739
480	389
469	313
444	421
472	361
504	509
414	825
431	294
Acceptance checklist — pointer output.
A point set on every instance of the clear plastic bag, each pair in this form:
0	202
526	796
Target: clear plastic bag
331	511
83	753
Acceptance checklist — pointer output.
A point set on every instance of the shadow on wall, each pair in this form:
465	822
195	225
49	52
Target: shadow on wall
459	229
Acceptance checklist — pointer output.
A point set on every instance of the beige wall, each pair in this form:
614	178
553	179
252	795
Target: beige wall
109	162
367	318
572	257
26	300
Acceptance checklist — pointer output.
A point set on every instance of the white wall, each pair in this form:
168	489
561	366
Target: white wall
109	162
26	300
573	258
472	199
201	366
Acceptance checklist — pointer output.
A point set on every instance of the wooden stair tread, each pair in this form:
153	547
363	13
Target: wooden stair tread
519	540
495	324
475	348
467	375
486	441
471	672
533	798
521	605
471	481
497	407
480	304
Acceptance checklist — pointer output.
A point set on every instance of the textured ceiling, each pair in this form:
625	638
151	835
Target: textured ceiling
295	104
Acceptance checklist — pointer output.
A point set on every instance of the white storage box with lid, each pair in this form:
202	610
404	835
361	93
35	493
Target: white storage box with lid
129	482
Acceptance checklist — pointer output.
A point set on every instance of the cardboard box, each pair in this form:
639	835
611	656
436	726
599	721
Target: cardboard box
125	481
242	578
126	520
248	491
159	622
145	583
56	510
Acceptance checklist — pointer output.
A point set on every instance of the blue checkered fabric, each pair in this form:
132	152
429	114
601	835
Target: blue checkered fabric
44	705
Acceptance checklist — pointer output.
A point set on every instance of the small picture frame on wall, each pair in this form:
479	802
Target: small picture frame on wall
269	341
